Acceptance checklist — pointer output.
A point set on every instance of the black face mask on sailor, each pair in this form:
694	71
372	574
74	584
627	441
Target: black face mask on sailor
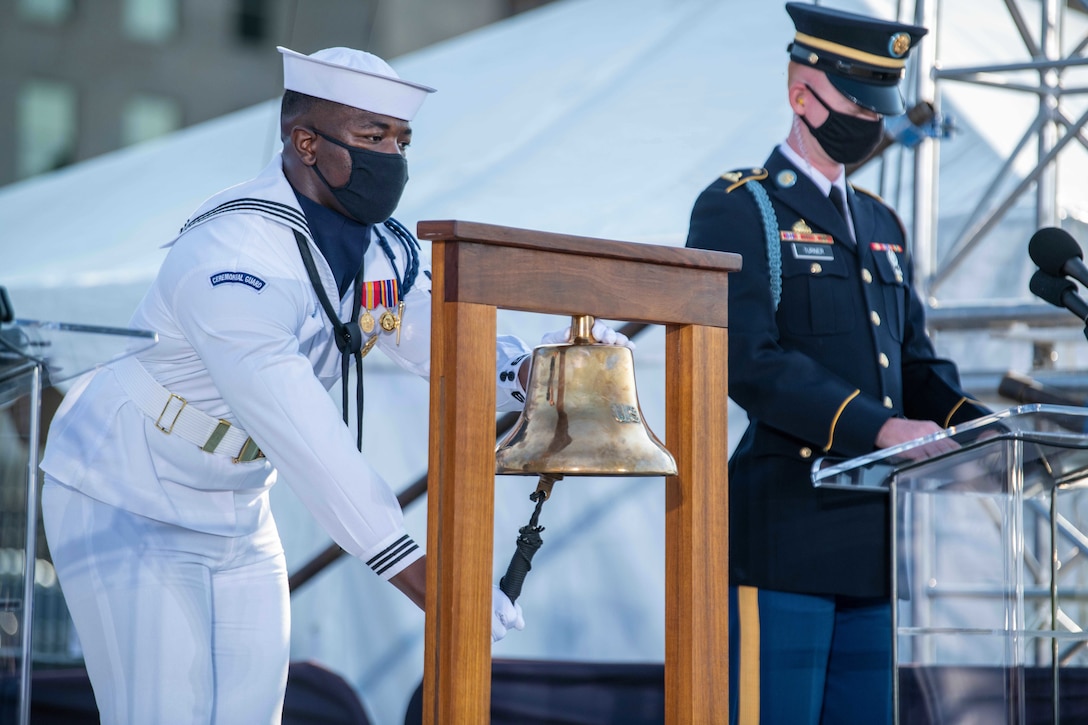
846	139
375	185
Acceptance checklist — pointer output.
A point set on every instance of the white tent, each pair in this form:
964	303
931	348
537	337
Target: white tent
602	118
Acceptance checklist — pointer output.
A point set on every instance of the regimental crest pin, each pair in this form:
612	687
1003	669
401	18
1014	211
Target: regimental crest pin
899	44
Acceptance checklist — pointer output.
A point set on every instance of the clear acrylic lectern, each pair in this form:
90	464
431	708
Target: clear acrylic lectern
34	355
990	566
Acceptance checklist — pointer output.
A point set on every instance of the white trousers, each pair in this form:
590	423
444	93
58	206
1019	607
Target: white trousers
178	627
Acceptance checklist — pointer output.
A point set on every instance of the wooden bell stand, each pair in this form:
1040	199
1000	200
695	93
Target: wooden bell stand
478	268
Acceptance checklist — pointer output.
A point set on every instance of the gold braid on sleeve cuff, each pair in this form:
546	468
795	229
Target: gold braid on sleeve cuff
957	406
835	420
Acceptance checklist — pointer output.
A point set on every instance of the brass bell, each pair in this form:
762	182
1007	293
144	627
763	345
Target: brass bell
581	414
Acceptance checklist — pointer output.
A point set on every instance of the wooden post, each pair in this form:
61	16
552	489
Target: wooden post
478	268
696	527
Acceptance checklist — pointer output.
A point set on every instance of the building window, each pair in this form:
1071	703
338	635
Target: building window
45	11
252	21
150	21
147	116
46	126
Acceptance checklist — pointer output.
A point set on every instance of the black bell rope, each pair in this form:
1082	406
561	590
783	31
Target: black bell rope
528	541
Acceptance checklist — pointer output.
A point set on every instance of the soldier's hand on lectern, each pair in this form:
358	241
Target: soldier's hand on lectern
505	615
900	430
601	333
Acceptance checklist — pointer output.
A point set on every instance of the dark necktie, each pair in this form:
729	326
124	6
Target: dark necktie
840	206
836	198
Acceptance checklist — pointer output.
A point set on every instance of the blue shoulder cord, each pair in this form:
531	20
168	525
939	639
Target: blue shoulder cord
411	254
774	249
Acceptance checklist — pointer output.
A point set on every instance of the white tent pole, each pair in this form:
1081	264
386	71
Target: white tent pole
927	153
1046	196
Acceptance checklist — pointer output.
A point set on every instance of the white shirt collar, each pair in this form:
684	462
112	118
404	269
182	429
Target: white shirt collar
821	181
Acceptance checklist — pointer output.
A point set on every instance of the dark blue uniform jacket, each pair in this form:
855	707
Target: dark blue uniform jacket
845	350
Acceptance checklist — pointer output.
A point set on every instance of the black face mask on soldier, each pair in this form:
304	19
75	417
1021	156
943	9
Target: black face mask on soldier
374	187
846	139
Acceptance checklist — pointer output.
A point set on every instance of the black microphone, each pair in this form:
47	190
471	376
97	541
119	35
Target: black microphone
1059	292
1055	252
7	312
1025	390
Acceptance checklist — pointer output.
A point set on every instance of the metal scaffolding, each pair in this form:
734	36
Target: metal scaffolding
1055	129
1038	67
1052	130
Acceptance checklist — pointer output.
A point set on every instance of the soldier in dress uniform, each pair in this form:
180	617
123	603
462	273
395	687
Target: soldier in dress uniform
829	356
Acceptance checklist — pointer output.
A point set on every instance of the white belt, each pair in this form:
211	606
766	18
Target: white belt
173	416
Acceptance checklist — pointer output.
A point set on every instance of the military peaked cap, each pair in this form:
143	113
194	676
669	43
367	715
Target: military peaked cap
863	57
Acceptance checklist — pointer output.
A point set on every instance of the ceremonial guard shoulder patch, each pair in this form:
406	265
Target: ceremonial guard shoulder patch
739	178
236	277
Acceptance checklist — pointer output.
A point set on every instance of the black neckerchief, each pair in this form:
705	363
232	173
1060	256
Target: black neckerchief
334	235
348	336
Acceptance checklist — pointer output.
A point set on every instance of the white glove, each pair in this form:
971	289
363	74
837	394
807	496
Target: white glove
601	333
505	615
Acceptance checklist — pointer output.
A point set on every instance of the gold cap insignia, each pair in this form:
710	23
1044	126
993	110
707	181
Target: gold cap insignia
732	176
899	44
801	228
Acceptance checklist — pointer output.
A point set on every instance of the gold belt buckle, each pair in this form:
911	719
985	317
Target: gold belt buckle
249	452
158	421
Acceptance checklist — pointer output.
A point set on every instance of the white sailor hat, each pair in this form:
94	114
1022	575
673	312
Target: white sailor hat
353	78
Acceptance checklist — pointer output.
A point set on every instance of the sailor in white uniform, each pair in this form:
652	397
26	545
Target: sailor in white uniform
158	466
